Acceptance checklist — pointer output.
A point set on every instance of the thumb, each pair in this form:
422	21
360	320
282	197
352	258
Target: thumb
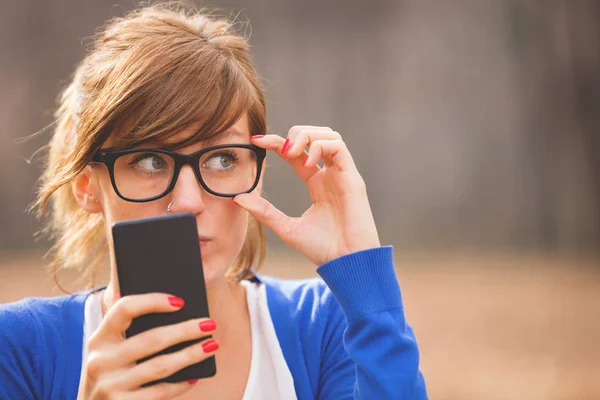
266	213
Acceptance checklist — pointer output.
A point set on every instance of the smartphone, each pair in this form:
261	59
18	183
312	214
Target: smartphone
162	254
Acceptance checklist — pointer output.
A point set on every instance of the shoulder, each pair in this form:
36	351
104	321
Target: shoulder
20	323
311	296
305	310
23	316
293	287
33	312
28	330
35	334
19	331
25	322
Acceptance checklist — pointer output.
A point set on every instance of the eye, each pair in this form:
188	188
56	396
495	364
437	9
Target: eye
150	162
220	161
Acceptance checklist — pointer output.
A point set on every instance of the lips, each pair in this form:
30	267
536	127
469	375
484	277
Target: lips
203	241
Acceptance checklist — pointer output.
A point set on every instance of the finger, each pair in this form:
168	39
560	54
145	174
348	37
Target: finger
296	129
333	152
97	368
295	149
154	340
305	138
120	315
166	365
277	144
160	391
270	142
267	214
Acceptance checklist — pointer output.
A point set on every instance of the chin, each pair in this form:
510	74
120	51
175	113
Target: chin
214	272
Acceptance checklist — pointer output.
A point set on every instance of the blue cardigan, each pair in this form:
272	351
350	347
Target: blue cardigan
342	339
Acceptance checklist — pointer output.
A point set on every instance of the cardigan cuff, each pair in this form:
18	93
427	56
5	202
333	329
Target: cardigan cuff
364	282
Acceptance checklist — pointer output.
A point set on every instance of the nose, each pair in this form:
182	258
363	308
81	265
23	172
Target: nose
187	195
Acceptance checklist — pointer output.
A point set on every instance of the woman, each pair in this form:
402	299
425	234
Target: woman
166	82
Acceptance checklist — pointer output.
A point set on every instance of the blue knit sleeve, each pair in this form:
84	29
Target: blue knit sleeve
19	352
378	357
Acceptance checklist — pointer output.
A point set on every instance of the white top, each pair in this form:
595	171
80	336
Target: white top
269	378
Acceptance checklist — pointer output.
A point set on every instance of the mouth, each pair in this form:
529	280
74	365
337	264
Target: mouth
203	241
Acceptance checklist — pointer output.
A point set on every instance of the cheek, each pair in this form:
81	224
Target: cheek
232	227
120	210
116	209
232	223
236	227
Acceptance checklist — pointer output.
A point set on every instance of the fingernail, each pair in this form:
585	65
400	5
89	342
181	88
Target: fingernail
192	381
305	161
176	301
210	346
287	145
208	326
257	136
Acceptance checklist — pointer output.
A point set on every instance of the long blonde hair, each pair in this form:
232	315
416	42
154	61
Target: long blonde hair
149	74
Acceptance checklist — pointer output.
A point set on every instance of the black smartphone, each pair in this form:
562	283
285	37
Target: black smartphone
162	254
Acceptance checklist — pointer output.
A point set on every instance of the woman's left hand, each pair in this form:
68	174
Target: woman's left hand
339	221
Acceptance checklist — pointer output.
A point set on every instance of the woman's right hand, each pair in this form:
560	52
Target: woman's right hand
111	371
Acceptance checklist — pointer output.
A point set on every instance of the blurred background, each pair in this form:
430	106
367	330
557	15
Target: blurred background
476	125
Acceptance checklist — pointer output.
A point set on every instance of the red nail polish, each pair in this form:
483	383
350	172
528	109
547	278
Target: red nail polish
208	326
305	161
286	146
210	346
257	136
176	301
192	381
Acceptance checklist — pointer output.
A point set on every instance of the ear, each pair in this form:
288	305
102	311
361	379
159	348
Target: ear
84	192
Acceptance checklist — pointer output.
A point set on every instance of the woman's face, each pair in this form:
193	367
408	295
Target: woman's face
221	224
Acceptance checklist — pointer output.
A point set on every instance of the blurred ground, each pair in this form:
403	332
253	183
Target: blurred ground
489	327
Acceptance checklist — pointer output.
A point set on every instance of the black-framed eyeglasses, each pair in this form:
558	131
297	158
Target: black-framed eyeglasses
141	175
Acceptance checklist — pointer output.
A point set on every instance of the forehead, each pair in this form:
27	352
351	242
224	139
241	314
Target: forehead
238	132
